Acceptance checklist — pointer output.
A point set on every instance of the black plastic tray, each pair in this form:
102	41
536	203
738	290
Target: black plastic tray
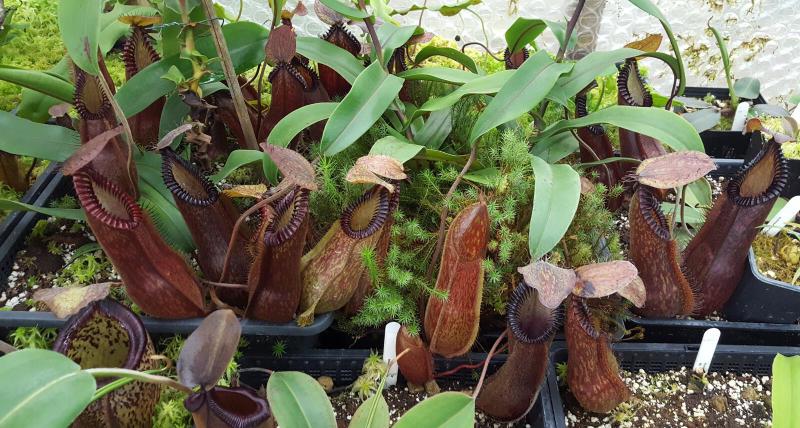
732	333
344	366
722	144
659	357
759	298
18	225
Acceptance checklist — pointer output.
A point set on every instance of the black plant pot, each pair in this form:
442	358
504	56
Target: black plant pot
759	298
659	357
52	185
344	366
722	144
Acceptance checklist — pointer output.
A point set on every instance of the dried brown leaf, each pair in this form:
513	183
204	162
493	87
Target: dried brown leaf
282	45
326	14
172	135
372	169
604	279
59	110
586	185
674	169
651	43
67	301
293	166
209	349
789	125
247	191
634	292
86	153
554	283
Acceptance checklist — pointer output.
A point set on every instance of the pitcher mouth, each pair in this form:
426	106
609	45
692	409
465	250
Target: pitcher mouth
650	209
290	213
138	52
529	320
368	214
762	179
631	86
106	201
91	101
338	32
179	174
581	111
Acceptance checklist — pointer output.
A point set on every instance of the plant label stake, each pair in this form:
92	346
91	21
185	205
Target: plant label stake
390	351
785	215
740	117
706	352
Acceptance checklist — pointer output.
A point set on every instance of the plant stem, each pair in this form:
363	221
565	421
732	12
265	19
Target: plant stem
142	377
570	28
486	364
470	366
443	215
373	36
230	76
683	206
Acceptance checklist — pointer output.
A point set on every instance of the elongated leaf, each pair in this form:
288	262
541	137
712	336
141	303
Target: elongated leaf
298	401
445	410
79	22
747	87
651	9
239	158
392	37
523	91
172	116
245	41
479	86
298	120
372	93
556	147
785	391
454	54
665	126
522	32
439	74
42	389
149	85
555	200
322	52
166	217
691	214
209	349
436	129
26	138
111	29
559	30
704	119
39	81
345	8
372	413
487	176
396	148
586	70
67	213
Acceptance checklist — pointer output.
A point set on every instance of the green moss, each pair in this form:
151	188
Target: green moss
778	257
33	337
37	47
7	193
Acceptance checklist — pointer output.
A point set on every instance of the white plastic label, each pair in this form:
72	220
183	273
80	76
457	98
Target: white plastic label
707	348
740	118
785	215
390	350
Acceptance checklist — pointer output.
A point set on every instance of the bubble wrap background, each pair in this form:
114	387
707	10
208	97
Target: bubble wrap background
763	35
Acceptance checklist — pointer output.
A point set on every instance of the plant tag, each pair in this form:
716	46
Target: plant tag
785	215
390	351
740	118
707	348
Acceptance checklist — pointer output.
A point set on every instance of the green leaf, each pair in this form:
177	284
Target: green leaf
172	116
444	410
651	9
704	119
42	389
25	138
747	87
785	391
698	193
396	148
691	215
382	11
239	158
437	127
439	74
298	401
298	120
586	70
481	85
372	413
166	217
148	85
794	99
245	41
454	54
556	193
556	147
322	52
39	81
345	8
523	91
372	93
667	127
111	29
79	22
392	37
522	32
559	30
453	10
67	213
487	176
